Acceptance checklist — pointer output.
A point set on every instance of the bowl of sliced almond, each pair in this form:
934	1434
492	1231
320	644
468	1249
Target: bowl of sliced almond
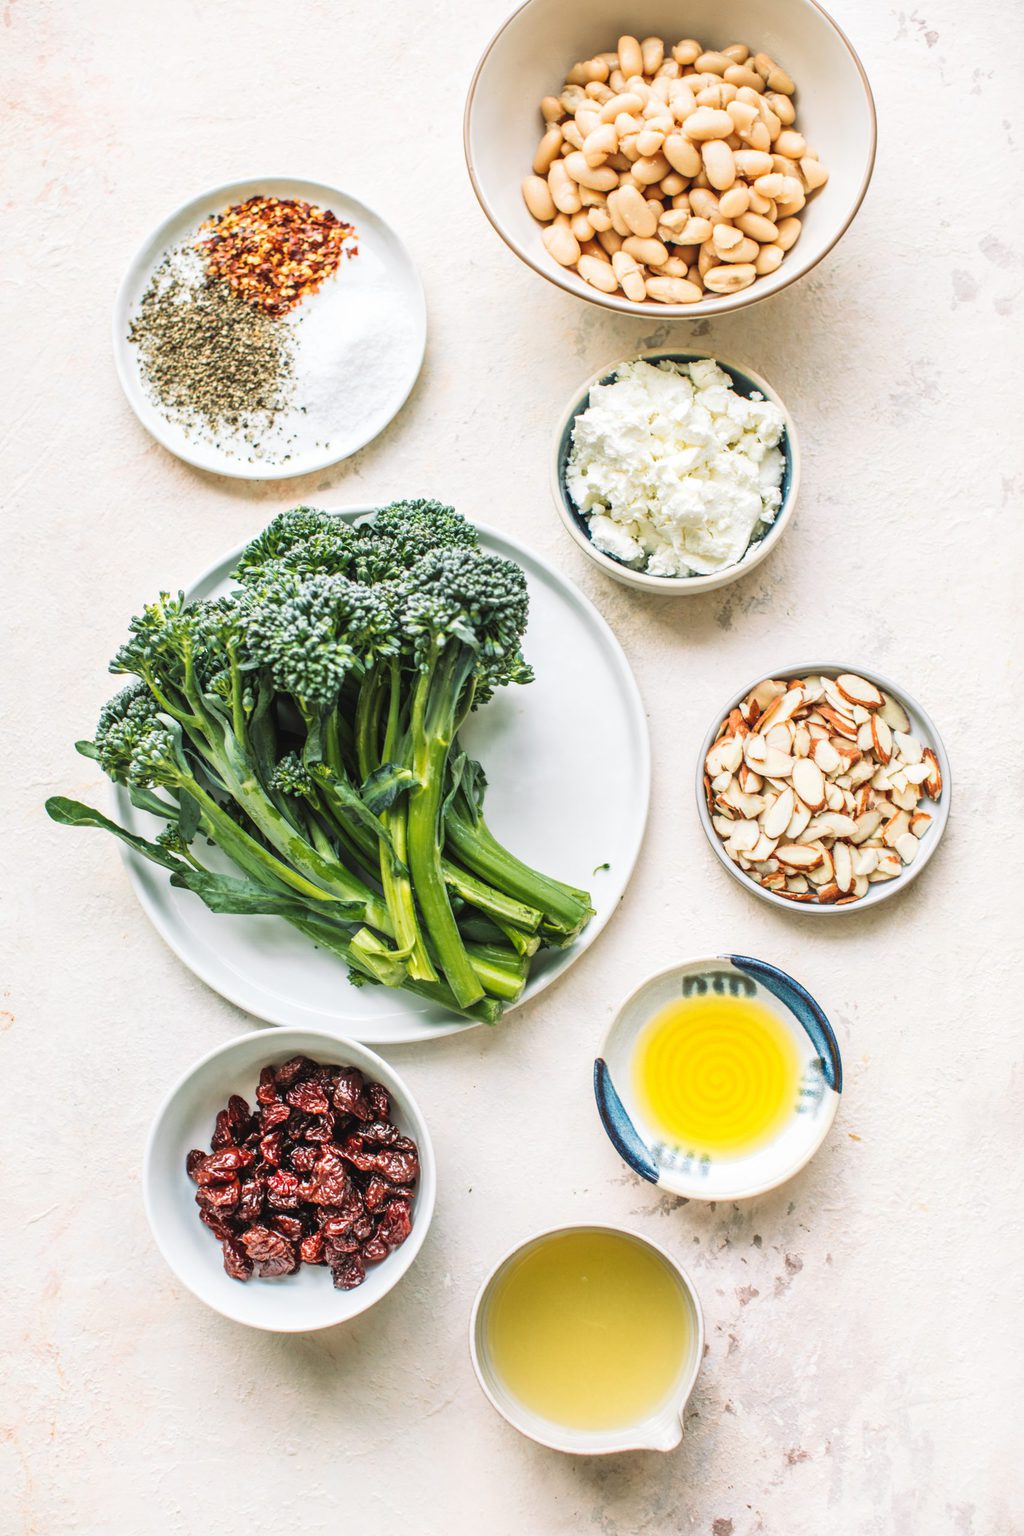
823	789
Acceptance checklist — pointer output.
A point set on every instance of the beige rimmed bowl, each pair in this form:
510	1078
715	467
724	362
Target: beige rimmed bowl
531	53
745	382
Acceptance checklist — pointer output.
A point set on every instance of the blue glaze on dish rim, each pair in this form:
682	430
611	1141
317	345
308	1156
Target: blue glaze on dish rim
803	1007
742	383
619	1128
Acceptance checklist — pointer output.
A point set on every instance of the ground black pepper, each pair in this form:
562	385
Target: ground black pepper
212	360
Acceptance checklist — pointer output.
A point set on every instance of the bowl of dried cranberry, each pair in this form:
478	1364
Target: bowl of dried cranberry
289	1179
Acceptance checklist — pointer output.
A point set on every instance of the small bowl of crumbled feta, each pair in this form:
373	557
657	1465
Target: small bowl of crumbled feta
676	472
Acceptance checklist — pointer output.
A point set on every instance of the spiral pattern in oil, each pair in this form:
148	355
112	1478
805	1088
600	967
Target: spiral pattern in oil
717	1074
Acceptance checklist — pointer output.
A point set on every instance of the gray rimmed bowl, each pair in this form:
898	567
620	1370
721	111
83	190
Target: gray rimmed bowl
921	725
746	383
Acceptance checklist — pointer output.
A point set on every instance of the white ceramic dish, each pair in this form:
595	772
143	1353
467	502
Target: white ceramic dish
568	760
921	725
368	323
745	382
661	1432
295	1303
529	56
689	1171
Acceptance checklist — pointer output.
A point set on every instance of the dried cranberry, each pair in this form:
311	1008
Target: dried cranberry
340	1245
374	1249
270	1252
214	1220
320	1130
307	1096
289	1227
236	1261
194	1160
349	1273
238	1111
290	1071
275	1114
380	1100
397	1167
223	1165
403	1144
250	1202
330	1178
347	1089
363	1227
377	1191
311	1250
380	1133
282	1191
272	1147
266	1093
223	1132
220	1197
303	1158
395	1224
338	1219
352	1148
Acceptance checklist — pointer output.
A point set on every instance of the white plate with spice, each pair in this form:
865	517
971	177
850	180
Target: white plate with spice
568	761
228	378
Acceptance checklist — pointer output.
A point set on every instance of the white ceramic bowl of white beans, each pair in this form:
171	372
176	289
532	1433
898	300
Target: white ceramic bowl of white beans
531	54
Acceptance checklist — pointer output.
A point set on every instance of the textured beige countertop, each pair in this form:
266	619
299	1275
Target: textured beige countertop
863	1375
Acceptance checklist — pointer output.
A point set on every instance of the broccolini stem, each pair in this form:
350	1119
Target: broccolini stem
477	848
429	755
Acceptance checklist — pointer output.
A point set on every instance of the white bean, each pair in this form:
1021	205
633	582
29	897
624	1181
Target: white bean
597	273
537	197
562	244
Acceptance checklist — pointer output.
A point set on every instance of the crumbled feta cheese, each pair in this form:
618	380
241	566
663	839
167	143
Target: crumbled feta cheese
674	471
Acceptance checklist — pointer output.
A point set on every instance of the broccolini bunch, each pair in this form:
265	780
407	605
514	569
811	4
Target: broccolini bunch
307	725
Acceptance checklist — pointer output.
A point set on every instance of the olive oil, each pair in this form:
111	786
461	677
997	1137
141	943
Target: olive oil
716	1075
589	1329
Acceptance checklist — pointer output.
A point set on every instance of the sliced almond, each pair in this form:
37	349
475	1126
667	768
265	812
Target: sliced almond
722	825
767	692
919	823
823	873
801	741
750	782
908	747
743	835
859	691
723	782
907	847
842	859
933	784
754	749
881	738
809	782
888	867
893	713
917	773
906	798
781	709
777	765
796	883
895	829
834	824
779	814
864	860
834	797
725	756
867	823
865	736
830	892
774	882
762	849
780	737
799	855
840	723
798	824
826	756
860	887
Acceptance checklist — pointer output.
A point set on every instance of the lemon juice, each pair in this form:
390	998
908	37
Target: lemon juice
590	1329
716	1075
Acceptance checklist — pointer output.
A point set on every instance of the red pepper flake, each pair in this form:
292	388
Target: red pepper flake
274	250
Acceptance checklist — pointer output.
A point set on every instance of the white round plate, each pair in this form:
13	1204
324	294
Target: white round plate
369	323
568	765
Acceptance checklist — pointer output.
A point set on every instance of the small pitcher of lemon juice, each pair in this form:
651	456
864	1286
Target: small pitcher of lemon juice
589	1340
